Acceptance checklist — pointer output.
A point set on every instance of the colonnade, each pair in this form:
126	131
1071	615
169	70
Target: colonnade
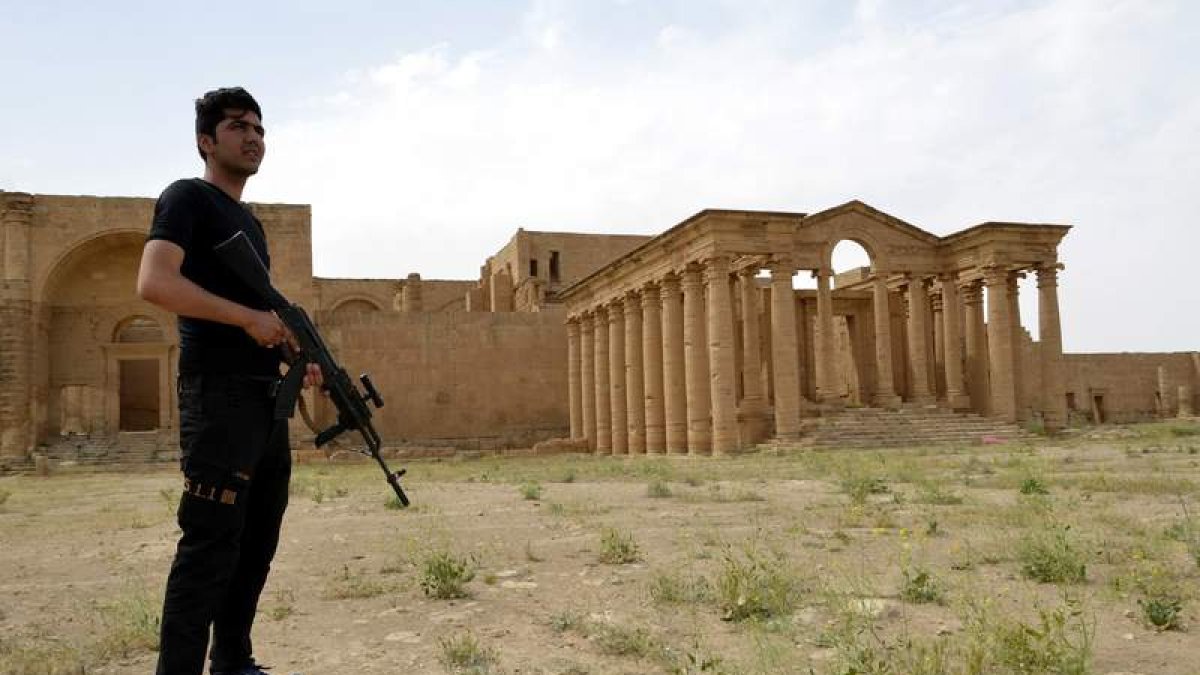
680	364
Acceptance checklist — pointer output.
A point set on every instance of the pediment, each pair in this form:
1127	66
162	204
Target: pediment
864	211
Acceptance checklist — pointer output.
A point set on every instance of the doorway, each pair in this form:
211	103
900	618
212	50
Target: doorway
139	395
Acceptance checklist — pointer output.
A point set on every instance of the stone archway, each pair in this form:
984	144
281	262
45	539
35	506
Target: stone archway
104	357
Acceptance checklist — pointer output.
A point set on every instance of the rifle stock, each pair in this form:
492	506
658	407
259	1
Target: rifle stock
353	412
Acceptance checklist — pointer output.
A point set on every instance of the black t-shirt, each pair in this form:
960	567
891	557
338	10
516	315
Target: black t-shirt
197	216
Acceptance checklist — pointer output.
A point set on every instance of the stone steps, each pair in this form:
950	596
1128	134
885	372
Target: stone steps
126	450
906	427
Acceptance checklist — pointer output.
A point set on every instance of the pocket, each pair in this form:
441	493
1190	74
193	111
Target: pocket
204	420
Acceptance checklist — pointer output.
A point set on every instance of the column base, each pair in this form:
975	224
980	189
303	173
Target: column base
889	401
958	401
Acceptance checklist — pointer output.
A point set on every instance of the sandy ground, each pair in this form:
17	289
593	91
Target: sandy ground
85	555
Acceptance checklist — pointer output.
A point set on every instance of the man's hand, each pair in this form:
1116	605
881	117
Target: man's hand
312	375
265	328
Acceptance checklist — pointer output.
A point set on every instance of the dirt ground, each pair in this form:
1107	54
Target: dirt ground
926	560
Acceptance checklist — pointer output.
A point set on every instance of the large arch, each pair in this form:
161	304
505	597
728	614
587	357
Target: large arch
83	370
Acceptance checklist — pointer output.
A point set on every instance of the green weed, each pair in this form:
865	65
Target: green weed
444	575
464	654
618	548
1051	556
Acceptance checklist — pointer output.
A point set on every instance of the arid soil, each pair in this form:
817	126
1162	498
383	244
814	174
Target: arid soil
1058	556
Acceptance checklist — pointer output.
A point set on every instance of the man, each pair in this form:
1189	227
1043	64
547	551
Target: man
234	454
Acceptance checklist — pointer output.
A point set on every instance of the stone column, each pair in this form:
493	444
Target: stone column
885	387
696	373
977	353
723	379
826	357
616	377
501	292
956	393
1000	345
574	380
603	393
16	326
784	361
1185	401
1164	396
652	368
1054	387
754	401
939	345
635	378
674	381
1018	344
918	348
587	358
410	294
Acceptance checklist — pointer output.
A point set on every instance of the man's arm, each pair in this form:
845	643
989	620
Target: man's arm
161	283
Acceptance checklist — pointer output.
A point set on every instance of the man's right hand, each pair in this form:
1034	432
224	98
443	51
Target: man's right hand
266	328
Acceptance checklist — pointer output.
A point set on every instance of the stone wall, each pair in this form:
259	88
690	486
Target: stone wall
495	379
1128	383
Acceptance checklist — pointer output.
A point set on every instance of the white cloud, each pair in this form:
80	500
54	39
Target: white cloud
1072	111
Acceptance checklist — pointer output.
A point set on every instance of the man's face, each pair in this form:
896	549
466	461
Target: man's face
238	146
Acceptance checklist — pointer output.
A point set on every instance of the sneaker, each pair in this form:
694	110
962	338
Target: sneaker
252	669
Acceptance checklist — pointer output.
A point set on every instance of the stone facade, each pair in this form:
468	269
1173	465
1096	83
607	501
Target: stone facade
933	321
693	341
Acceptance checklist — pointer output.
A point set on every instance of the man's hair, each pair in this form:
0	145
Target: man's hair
210	109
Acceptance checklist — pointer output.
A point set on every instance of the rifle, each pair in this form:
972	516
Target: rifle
353	413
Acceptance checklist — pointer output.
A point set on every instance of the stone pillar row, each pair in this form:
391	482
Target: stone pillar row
657	370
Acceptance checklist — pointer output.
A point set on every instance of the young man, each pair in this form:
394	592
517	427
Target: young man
234	454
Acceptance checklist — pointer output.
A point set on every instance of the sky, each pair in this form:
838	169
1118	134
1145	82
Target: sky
424	133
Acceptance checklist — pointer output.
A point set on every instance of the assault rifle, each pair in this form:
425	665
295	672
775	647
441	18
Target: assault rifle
353	413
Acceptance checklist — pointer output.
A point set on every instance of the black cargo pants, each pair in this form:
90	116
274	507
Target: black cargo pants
236	465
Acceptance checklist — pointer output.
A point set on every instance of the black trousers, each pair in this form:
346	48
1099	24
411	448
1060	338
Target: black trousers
236	466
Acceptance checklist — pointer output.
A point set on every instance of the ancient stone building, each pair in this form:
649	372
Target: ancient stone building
683	346
690	340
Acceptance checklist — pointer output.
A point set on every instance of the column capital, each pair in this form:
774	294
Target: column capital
995	275
690	276
781	266
936	300
822	272
972	292
615	310
716	268
1047	275
633	303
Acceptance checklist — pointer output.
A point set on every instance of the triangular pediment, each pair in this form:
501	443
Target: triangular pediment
865	210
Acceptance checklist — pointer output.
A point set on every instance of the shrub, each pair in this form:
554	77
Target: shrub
531	491
464	654
618	548
445	575
1162	611
1033	486
1049	556
755	585
919	587
658	489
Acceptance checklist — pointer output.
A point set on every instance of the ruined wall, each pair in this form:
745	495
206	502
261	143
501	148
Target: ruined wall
472	378
578	255
1128	382
74	265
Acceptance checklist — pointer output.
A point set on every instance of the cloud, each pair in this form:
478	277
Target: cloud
1070	111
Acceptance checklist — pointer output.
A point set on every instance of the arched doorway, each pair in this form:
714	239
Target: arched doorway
853	323
104	355
138	379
